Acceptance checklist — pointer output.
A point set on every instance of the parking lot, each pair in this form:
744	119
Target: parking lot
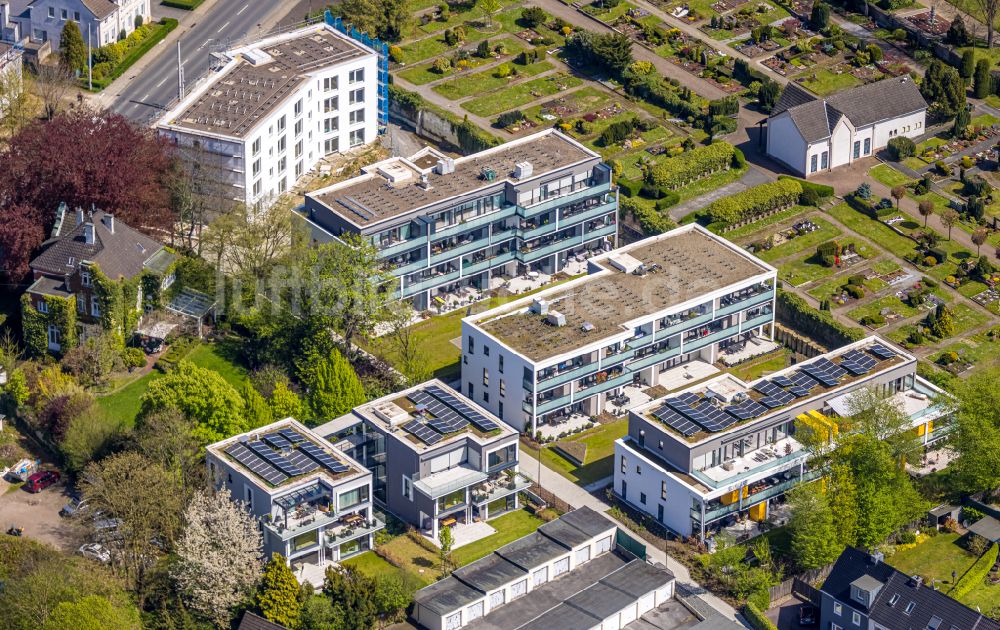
38	514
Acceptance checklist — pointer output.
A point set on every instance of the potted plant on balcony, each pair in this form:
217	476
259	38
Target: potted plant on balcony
511	478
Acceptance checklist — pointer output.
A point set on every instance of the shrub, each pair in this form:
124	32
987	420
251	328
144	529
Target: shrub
757	619
907	538
650	220
533	16
864	191
630	187
822	190
874	321
134	358
901	147
966	162
692	165
510	118
669	198
857	280
976	574
857	293
809	197
942	168
793	311
483	49
916	338
396	54
753	201
441	65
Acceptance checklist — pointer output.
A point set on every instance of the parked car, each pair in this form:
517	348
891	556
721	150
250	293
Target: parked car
95	551
808	615
74	507
41	480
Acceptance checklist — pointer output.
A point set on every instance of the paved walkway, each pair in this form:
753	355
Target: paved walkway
577	497
753	177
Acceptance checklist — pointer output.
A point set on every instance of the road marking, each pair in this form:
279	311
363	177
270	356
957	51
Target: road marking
146	96
162	81
221	28
243	9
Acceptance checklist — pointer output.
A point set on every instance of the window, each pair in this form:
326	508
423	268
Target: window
663	489
329	83
81	307
43	306
501	364
95	306
857	149
356	76
357	137
813	163
472	345
298	149
503	388
282	163
661	445
298	108
256	167
838	608
281	124
298	128
486	350
256	146
357	116
856	618
331	145
910	607
407	488
76	15
357	96
54	336
282	144
642	498
868	146
624	464
330	105
256	188
65	14
486	377
470	389
352	497
500	409
52	12
486	397
331	124
282	185
298	168
825	160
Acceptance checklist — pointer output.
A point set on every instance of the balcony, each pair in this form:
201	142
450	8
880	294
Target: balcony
623	379
746	303
607	230
476	222
614	359
553	403
775	461
499	487
701	342
652	359
409	268
399	247
754	322
552	248
755	498
589	213
347	528
430	283
565	376
683	325
308	521
563	200
469	269
460	250
450	481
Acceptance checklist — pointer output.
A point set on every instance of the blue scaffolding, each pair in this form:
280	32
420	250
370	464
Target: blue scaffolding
382	49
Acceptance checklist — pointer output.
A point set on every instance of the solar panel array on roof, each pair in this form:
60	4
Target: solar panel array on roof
774	396
274	458
782	381
802	383
254	463
857	363
279	442
445	420
423	432
464	409
881	351
304	463
292	436
323	458
746	410
676	421
824	371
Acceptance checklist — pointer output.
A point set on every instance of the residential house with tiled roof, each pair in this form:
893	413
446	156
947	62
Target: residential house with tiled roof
105	20
813	135
862	591
92	276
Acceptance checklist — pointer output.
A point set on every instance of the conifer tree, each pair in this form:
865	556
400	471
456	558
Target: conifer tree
258	412
285	403
72	49
333	386
278	595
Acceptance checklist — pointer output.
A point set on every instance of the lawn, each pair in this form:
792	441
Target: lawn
752	229
889	176
374	565
488	80
425	73
598	464
799	244
967	318
510	527
806	269
520	94
755	369
824	82
935	559
888	302
874	230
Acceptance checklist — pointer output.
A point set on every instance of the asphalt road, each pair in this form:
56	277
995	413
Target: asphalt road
227	22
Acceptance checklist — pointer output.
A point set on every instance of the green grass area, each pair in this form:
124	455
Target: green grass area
460	14
974	349
702	7
935	558
517	95
967	318
488	80
874	308
774	14
374	565
607	15
425	73
877	231
510	527
825	82
802	270
756	369
187	5
598	464
755	230
889	176
587	99
992	55
984	120
798	244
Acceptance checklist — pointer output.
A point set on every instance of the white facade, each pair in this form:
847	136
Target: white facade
46	19
334	109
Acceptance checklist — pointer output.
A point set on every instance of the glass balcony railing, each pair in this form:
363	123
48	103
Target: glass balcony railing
461	250
430	283
563	200
540	230
548	250
701	342
589	213
554	403
607	230
749	302
344	531
614	359
755	498
652	359
760	320
469	269
410	267
684	324
397	248
622	379
476	222
566	375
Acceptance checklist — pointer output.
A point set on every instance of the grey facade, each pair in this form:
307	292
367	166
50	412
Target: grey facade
442	224
467	475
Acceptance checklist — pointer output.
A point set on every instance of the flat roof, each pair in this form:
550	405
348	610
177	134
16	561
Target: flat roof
987	527
283	454
258	77
428	416
681	265
532	550
490	573
50	286
578	529
393	187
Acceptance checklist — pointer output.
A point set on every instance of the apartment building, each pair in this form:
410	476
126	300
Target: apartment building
642	310
571	573
269	111
450	225
43	20
724	450
863	592
437	459
313	502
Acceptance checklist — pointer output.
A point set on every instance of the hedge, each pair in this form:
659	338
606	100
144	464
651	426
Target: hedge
754	201
757	619
649	219
976	573
187	5
794	312
822	190
163	28
692	165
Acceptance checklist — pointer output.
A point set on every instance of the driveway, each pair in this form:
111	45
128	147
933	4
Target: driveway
38	514
786	615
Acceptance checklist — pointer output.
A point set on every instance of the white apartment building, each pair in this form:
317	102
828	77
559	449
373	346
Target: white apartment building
43	20
812	135
700	459
269	111
686	295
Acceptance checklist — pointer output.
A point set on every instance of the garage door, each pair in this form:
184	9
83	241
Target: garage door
647	603
628	615
611	624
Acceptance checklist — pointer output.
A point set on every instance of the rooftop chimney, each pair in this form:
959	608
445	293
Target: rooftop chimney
876	556
109	222
79	216
88	232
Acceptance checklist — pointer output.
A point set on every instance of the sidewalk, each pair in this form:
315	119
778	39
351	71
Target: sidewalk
577	497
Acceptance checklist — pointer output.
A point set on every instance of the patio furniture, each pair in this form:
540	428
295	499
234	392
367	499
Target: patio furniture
449	522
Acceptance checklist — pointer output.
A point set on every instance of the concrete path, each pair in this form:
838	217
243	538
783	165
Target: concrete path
753	177
577	497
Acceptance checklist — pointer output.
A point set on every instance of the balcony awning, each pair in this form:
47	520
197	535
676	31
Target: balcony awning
300	496
447	481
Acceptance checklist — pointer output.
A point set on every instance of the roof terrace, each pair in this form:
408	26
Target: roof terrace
681	265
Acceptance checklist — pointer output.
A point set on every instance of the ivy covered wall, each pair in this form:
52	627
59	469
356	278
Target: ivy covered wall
35	324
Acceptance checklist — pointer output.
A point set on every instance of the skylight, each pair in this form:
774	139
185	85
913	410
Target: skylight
910	607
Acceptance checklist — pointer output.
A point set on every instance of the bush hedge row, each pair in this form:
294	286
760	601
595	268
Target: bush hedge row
976	573
692	165
822	190
756	618
651	220
754	201
159	32
795	312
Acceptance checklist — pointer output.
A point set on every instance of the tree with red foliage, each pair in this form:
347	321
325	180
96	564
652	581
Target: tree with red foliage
85	159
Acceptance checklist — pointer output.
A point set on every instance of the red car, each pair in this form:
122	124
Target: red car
41	480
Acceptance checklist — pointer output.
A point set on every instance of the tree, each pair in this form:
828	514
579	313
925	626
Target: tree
901	148
943	88
979	236
278	593
93	361
93	612
609	51
898	192
983	82
405	344
120	487
490	8
976	436
768	96
392	595
332	386
72	49
285	403
958	34
319	613
257	411
164	437
968	66
926	209
814	539
962	120
385	19
353	593
876	415
52	85
203	397
944	324
446	539
819	19
533	16
988	9
219	556
124	170
949	217
842	497
17	108
249	243
89	434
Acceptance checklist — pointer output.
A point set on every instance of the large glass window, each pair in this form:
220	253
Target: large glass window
503	456
352	497
449	501
303	541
